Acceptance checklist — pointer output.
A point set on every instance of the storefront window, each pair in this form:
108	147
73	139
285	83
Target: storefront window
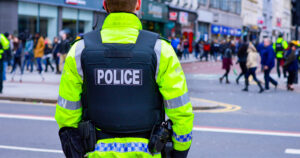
70	16
153	26
29	13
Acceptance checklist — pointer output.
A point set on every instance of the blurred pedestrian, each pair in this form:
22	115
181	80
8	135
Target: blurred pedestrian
18	54
242	59
6	56
63	50
28	59
39	48
268	63
55	50
206	49
48	55
279	47
226	62
186	44
197	49
175	42
180	49
215	49
253	59
4	45
291	64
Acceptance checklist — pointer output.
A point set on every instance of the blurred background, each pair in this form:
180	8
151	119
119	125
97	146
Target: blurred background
243	107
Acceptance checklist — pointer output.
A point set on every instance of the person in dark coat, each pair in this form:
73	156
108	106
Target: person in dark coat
48	55
268	63
291	65
226	62
55	51
242	59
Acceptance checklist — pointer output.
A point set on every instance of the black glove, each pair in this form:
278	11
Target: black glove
71	143
180	154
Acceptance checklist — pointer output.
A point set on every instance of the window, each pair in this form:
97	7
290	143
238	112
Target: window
202	2
215	4
238	6
225	5
234	6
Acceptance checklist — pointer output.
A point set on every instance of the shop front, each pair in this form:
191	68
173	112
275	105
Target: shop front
183	24
205	18
154	17
49	17
251	33
223	32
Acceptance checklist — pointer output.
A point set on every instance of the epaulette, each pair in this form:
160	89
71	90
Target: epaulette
165	39
76	41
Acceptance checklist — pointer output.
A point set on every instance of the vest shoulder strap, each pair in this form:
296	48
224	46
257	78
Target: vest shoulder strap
146	37
92	40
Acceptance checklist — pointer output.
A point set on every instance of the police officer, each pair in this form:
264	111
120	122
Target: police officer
4	45
123	79
279	47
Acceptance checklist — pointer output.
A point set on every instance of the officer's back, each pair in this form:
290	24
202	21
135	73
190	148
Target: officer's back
122	79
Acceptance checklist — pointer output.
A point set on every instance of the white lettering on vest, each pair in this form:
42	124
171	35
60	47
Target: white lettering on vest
100	74
136	77
121	77
128	79
108	77
116	81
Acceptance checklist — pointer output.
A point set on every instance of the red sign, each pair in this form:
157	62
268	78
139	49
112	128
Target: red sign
278	22
75	2
173	16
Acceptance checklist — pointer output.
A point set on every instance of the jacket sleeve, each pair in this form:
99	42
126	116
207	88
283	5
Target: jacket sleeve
172	85
270	57
4	41
68	108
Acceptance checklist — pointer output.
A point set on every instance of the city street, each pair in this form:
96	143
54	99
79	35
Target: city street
258	125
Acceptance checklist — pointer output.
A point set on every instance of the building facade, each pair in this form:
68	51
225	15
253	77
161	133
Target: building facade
252	11
49	17
281	19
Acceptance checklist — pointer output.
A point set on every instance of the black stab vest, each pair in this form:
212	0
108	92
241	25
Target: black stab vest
120	93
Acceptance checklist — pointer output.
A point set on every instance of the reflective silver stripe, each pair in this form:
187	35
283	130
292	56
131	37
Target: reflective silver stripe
157	50
78	52
177	102
70	105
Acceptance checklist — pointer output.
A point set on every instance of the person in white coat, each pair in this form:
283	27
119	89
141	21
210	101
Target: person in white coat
252	63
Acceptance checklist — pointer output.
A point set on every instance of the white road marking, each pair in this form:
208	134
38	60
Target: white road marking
247	131
30	149
292	151
27	103
196	128
27	117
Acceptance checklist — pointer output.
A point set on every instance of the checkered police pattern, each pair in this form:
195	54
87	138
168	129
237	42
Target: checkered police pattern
122	147
183	138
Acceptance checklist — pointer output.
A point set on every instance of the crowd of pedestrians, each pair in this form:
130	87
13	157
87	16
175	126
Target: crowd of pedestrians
35	53
250	56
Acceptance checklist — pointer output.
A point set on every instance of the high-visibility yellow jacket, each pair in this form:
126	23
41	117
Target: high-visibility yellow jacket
124	28
285	45
4	42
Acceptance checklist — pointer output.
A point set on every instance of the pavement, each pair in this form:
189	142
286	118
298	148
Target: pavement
44	88
31	87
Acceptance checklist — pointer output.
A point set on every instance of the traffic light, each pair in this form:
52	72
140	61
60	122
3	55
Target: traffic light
296	12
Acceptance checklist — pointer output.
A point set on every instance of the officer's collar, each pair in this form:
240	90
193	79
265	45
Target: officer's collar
121	20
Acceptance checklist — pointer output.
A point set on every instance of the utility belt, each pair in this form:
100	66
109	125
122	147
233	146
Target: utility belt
159	138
